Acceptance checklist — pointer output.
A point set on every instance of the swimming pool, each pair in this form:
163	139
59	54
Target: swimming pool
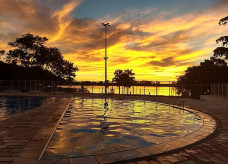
10	105
88	127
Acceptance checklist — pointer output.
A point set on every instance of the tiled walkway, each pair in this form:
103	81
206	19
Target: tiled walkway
23	137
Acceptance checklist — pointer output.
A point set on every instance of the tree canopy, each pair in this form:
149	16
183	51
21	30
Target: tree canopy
213	70
222	51
30	51
16	72
209	71
124	77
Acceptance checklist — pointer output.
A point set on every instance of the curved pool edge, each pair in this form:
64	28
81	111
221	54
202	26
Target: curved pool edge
207	129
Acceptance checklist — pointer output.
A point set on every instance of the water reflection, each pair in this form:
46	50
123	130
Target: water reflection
109	125
10	105
104	124
147	90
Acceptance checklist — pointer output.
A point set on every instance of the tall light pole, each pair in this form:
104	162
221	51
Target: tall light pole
106	58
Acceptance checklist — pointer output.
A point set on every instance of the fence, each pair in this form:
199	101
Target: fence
163	88
219	89
157	88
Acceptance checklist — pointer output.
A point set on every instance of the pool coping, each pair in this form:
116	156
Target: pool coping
207	129
52	133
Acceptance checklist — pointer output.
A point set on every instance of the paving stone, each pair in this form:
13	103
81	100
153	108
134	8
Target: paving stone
84	160
220	156
108	158
171	158
199	156
61	161
142	162
180	157
6	154
22	161
188	162
146	151
6	162
163	160
153	162
130	154
6	159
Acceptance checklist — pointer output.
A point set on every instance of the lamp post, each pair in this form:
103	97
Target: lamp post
106	58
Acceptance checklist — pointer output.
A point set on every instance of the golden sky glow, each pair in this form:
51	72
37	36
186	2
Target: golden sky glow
158	44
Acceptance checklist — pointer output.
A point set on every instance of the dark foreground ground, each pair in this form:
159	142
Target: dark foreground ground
24	136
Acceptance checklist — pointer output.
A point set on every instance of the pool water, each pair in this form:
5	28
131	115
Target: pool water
88	127
10	105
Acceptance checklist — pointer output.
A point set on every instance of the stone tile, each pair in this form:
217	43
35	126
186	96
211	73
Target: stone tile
7	154
108	158
130	154
188	162
147	151
6	159
163	160
153	162
142	162
21	161
179	156
171	158
56	161
84	160
220	156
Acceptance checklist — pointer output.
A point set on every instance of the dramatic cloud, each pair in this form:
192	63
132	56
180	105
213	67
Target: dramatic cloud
165	62
156	44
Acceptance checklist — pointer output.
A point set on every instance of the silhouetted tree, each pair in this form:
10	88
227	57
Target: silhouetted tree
124	77
222	51
209	71
2	52
30	52
17	72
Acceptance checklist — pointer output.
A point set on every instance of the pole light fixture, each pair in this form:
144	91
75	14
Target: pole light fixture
106	25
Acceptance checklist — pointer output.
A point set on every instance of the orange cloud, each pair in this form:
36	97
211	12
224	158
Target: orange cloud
156	48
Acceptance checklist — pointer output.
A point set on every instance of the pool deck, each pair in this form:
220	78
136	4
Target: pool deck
24	136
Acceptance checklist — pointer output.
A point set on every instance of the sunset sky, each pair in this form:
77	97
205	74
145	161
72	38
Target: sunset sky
158	39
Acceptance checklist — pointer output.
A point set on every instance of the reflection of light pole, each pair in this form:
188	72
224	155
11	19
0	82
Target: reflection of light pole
106	58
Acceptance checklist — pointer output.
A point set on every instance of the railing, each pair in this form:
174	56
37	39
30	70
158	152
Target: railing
161	88
219	89
156	88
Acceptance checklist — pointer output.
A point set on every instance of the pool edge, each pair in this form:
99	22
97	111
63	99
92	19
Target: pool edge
207	129
54	130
